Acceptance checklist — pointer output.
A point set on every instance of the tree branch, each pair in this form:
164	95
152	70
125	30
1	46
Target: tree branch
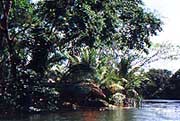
20	32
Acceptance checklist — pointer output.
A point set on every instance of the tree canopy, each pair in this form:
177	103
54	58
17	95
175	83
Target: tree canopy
36	38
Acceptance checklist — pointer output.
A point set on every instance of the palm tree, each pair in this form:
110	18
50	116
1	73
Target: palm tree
77	85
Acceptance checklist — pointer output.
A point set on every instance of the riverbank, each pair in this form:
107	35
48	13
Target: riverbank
66	106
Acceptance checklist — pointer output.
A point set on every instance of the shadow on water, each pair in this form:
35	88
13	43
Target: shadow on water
80	115
152	110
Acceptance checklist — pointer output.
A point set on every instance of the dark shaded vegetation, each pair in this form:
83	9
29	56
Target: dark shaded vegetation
173	90
155	85
63	54
160	84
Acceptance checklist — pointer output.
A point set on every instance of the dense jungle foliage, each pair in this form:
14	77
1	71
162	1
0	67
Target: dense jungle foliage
62	53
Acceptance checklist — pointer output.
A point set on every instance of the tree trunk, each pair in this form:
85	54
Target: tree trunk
10	44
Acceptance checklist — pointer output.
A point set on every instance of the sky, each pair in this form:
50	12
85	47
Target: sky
168	10
34	1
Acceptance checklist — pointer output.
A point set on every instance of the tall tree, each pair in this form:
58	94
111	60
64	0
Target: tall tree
34	36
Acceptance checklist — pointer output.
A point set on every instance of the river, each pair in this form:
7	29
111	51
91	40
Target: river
151	110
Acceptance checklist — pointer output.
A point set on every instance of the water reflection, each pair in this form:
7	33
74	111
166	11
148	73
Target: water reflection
150	111
120	115
85	115
90	115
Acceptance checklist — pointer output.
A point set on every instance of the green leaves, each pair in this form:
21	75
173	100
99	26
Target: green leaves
21	13
156	83
96	23
88	34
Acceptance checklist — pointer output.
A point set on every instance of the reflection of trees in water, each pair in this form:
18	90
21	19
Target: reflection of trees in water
91	116
131	114
117	115
109	115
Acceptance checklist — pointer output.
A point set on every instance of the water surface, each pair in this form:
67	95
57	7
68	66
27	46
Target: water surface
151	110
